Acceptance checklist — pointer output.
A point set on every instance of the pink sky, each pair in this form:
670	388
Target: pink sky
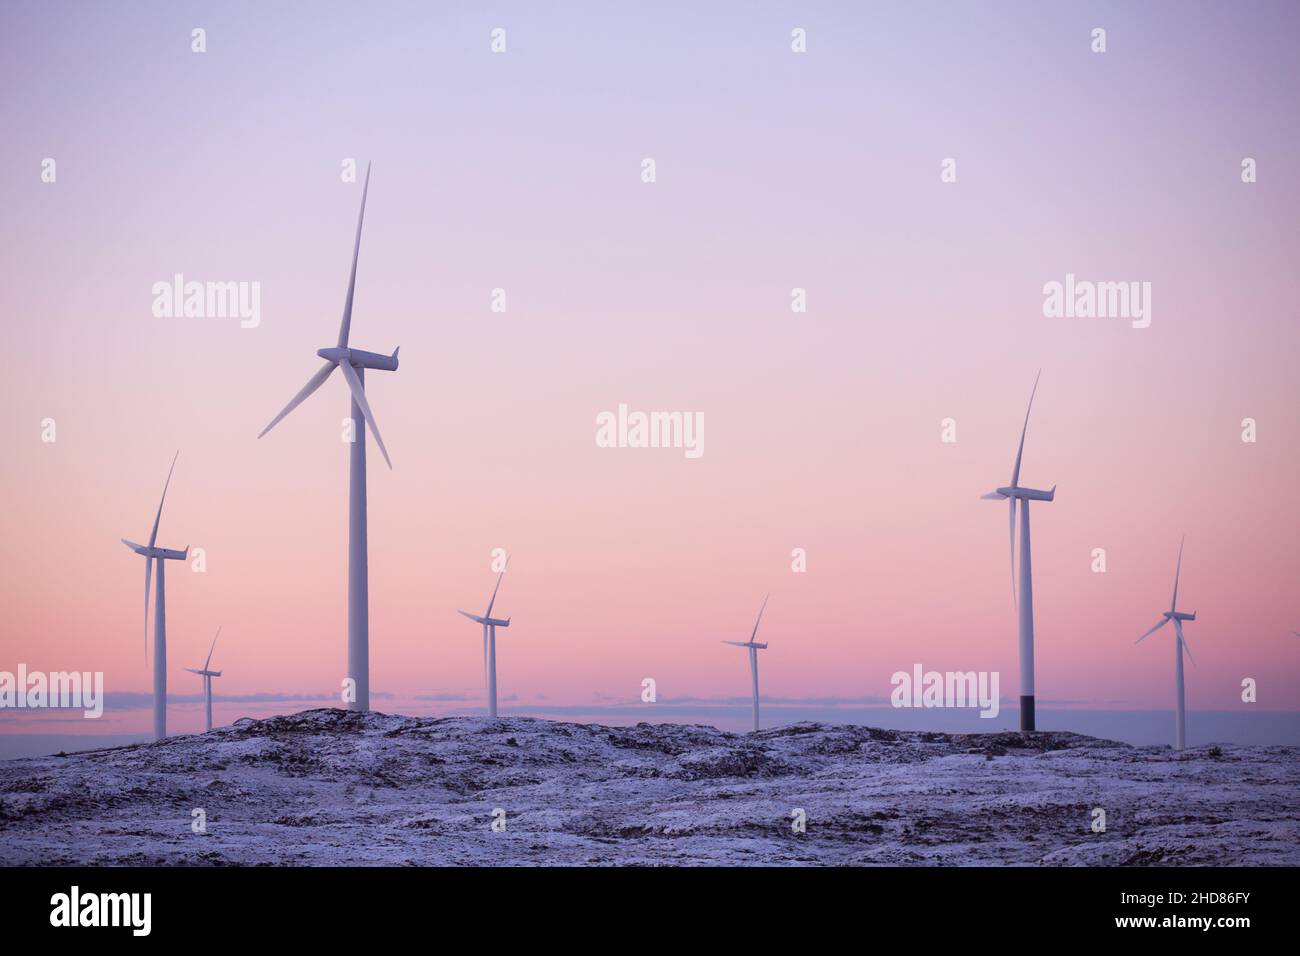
822	431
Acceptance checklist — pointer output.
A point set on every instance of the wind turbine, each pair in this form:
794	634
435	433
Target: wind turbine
353	363
490	625
150	554
207	676
1026	602
1180	644
754	647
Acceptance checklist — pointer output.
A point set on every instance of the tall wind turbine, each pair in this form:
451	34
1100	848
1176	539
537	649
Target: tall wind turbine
1180	644
151	554
207	676
1026	601
353	363
754	647
490	625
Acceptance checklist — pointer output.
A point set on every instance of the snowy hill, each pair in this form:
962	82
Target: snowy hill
325	787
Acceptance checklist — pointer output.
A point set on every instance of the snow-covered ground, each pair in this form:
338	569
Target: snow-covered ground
325	787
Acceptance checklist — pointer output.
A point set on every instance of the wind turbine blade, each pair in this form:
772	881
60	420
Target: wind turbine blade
760	616
313	383
148	578
736	643
493	601
1011	515
1177	572
212	648
359	396
1015	472
1178	627
1163	622
153	535
346	326
131	544
993	496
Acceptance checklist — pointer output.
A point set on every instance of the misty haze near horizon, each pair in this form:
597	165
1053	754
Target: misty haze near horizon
1138	727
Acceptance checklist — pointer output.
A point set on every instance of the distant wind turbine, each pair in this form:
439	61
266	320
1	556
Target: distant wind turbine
1026	601
1180	644
150	554
490	625
207	676
754	647
353	363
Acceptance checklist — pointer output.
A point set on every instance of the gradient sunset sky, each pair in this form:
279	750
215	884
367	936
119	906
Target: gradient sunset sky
775	170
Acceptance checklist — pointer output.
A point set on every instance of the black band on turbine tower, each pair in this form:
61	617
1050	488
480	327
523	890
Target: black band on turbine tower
1026	713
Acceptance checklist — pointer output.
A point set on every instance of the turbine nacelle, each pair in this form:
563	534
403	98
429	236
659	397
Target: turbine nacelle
204	673
1180	615
359	358
494	621
1031	494
169	554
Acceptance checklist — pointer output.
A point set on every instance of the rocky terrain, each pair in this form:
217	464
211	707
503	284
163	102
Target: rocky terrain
326	787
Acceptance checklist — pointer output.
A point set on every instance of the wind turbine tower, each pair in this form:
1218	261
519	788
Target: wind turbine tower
754	646
1011	493
490	625
207	676
152	553
1180	644
353	363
